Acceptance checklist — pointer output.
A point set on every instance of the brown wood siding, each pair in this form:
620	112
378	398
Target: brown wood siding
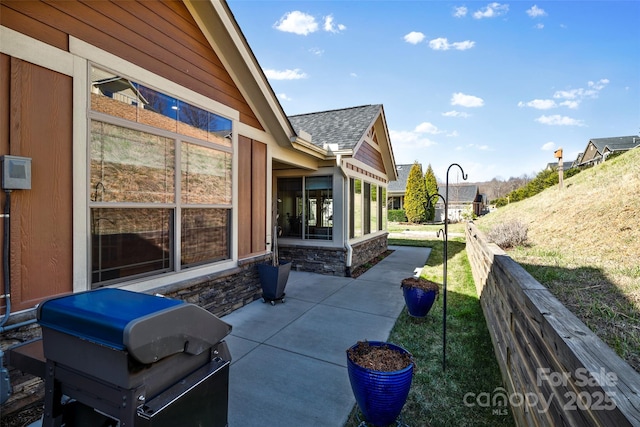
40	126
252	196
370	156
258	196
244	196
159	36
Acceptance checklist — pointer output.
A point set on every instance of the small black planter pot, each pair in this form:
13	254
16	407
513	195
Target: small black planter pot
273	279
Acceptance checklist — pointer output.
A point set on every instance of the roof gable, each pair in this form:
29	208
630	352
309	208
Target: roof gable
345	127
615	143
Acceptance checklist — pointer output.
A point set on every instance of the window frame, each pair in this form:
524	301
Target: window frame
159	278
304	204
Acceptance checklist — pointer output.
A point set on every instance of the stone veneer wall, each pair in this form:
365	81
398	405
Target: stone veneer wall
315	259
367	250
332	261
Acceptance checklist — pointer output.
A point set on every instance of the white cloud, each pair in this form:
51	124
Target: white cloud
454	113
316	51
460	12
414	37
354	75
284	97
538	26
297	22
492	10
427	127
535	12
592	91
285	74
331	27
558	120
408	140
570	104
463	100
442	43
454	133
548	146
539	104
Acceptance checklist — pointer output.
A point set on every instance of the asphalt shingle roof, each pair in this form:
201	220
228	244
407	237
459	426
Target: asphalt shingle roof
400	185
616	143
344	127
460	193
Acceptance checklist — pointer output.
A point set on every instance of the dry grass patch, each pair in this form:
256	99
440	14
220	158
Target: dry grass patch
584	245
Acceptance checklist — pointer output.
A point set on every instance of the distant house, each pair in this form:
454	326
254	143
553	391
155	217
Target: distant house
554	166
598	149
397	189
460	198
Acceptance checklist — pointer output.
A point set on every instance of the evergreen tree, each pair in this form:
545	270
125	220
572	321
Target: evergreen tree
415	196
431	185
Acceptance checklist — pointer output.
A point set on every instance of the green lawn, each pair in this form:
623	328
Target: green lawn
438	397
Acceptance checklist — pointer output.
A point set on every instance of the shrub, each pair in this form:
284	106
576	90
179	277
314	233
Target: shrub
509	234
397	215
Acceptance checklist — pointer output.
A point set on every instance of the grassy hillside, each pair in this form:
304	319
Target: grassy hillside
584	245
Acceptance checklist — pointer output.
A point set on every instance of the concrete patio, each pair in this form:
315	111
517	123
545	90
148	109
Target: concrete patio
289	364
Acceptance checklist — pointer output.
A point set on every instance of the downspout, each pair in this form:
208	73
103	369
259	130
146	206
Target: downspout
345	214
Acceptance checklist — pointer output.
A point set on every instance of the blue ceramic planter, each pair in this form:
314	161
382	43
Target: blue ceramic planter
380	395
418	301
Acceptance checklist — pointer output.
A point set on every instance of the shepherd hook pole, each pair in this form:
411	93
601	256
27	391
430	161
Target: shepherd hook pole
444	264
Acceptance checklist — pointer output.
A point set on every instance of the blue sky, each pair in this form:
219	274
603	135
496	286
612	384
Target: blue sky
495	87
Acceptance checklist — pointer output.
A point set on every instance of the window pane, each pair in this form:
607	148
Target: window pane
201	124
319	212
130	166
290	206
129	242
205	235
366	208
206	175
115	95
383	208
357	208
374	208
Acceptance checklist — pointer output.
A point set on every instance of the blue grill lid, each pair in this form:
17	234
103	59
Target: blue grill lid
100	315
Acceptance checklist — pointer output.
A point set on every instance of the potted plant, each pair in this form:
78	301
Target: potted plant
419	295
380	374
274	275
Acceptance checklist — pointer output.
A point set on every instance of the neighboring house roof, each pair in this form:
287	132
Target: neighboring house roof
345	127
400	185
461	193
599	147
554	165
615	143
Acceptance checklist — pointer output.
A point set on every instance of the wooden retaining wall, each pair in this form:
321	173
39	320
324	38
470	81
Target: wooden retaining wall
555	370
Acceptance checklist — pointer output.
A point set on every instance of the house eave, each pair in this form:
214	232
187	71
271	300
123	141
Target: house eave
217	23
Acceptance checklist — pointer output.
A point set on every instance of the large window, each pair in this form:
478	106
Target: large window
160	178
305	207
367	212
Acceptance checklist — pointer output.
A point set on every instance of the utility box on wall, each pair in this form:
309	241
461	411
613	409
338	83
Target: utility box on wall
16	173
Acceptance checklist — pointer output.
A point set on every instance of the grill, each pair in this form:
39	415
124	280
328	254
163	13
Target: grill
115	357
